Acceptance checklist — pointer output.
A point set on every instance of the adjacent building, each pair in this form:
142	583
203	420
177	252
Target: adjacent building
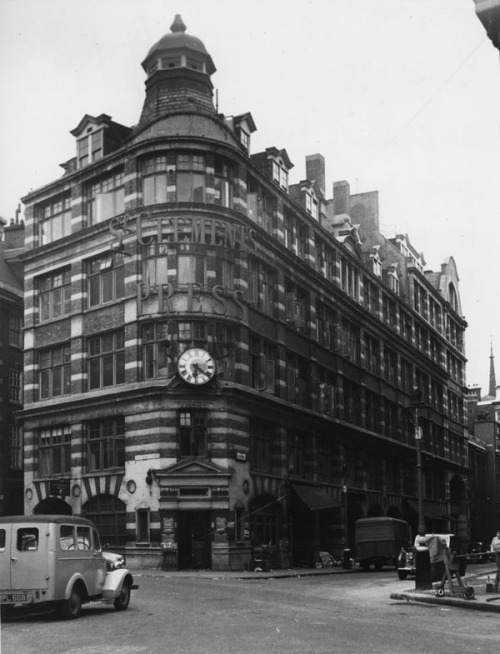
221	365
11	366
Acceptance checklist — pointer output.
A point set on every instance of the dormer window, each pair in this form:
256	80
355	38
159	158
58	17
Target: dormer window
312	206
90	147
280	175
245	139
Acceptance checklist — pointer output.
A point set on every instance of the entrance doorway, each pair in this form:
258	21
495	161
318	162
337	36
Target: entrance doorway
194	540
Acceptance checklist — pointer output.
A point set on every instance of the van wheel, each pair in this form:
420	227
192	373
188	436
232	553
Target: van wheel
123	599
402	575
72	607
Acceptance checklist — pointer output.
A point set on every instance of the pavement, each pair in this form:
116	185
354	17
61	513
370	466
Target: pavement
482	600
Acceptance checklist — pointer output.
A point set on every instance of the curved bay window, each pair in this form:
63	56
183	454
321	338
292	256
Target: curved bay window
187	177
108	514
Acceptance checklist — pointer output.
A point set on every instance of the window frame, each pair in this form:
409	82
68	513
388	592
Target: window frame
105	444
53	369
115	354
57	445
54	290
101	269
193	432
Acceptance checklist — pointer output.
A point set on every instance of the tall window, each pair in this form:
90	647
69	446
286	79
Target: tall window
296	453
54	294
106	363
223	184
261	438
55	451
371	353
191	269
154	182
54	218
190	178
263	365
105	444
15	377
106	279
193	433
15	447
105	198
55	371
158	347
350	340
263	285
297	304
15	333
325	324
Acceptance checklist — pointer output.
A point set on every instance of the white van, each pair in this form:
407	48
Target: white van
58	560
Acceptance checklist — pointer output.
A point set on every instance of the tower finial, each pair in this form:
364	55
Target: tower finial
493	383
177	25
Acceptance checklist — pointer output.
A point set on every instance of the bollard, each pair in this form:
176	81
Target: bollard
346	561
422	568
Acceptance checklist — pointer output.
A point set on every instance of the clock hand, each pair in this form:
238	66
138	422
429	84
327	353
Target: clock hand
196	366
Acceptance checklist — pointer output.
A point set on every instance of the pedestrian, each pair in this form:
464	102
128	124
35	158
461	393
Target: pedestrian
495	548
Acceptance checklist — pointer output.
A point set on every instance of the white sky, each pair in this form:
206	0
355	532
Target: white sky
400	96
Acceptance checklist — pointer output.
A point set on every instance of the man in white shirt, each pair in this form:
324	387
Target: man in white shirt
495	548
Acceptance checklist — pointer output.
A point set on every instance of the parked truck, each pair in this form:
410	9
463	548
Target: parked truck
378	541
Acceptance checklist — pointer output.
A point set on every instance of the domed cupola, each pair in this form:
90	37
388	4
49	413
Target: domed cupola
179	70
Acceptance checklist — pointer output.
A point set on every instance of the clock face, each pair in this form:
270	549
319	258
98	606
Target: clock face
196	366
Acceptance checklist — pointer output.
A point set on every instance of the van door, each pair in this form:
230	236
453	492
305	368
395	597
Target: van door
29	556
5	538
93	565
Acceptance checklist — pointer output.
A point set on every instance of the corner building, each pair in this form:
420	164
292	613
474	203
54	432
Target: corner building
220	365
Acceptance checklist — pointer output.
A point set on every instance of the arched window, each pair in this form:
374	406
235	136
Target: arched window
108	514
453	298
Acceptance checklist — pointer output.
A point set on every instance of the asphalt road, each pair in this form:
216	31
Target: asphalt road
344	614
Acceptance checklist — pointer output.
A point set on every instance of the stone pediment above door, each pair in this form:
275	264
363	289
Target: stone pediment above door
193	467
195	484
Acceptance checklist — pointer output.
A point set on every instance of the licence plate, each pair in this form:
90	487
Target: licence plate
14	598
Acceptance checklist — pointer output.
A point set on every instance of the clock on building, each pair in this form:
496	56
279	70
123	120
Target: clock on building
196	366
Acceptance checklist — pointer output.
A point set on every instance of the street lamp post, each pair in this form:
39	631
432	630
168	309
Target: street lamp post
420	480
422	557
346	561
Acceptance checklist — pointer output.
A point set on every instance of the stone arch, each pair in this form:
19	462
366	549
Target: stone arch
108	513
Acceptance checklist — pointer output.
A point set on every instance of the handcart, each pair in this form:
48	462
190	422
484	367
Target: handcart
440	552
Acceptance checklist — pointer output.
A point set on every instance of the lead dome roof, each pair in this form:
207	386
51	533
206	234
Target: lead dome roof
177	39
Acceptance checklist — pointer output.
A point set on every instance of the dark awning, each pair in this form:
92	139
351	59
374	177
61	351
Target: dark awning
430	510
315	498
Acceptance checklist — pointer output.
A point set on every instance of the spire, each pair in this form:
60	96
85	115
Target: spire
493	384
